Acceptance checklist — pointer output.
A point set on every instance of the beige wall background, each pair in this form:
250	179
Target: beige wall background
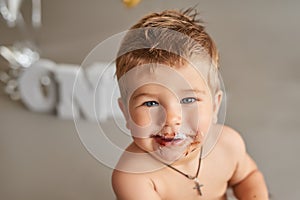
41	156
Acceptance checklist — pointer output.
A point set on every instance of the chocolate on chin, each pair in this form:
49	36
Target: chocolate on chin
171	153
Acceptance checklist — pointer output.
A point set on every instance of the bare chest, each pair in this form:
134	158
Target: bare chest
211	184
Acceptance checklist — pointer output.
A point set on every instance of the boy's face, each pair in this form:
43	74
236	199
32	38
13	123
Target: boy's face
168	110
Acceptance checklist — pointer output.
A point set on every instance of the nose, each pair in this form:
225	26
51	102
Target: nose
173	116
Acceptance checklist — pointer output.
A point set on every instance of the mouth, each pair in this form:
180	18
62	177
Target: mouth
170	139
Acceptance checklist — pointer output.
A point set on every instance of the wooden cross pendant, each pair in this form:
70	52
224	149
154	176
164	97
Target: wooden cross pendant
198	186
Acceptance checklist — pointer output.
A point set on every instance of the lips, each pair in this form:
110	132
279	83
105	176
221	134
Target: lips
169	139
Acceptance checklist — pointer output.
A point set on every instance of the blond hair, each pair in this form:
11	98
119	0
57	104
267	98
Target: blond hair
170	37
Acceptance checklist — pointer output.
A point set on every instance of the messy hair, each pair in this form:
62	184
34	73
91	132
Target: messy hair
171	38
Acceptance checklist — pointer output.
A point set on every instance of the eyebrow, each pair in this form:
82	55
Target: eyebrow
142	94
153	95
195	91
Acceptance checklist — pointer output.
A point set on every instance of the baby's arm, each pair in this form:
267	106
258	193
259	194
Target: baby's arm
247	181
129	186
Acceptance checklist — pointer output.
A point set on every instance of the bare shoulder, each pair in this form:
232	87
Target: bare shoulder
231	141
231	137
230	146
136	161
131	179
133	186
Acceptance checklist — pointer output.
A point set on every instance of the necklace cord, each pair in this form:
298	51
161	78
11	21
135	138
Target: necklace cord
186	175
194	178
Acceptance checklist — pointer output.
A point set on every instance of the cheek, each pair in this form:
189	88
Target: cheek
141	117
198	117
205	119
145	117
146	122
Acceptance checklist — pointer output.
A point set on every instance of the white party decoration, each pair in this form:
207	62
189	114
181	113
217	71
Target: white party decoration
81	94
69	90
31	90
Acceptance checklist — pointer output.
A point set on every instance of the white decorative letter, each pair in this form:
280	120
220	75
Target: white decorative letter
35	97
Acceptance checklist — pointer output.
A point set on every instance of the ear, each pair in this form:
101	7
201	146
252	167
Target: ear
123	108
217	103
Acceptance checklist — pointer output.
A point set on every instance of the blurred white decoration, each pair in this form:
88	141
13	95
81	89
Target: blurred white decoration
44	86
36	93
10	11
71	92
20	55
36	16
85	93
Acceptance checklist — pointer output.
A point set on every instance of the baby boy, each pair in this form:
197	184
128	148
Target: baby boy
167	70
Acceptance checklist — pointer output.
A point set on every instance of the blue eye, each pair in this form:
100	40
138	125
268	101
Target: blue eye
150	103
188	100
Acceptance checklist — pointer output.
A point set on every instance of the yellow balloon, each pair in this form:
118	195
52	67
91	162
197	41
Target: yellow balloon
131	3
